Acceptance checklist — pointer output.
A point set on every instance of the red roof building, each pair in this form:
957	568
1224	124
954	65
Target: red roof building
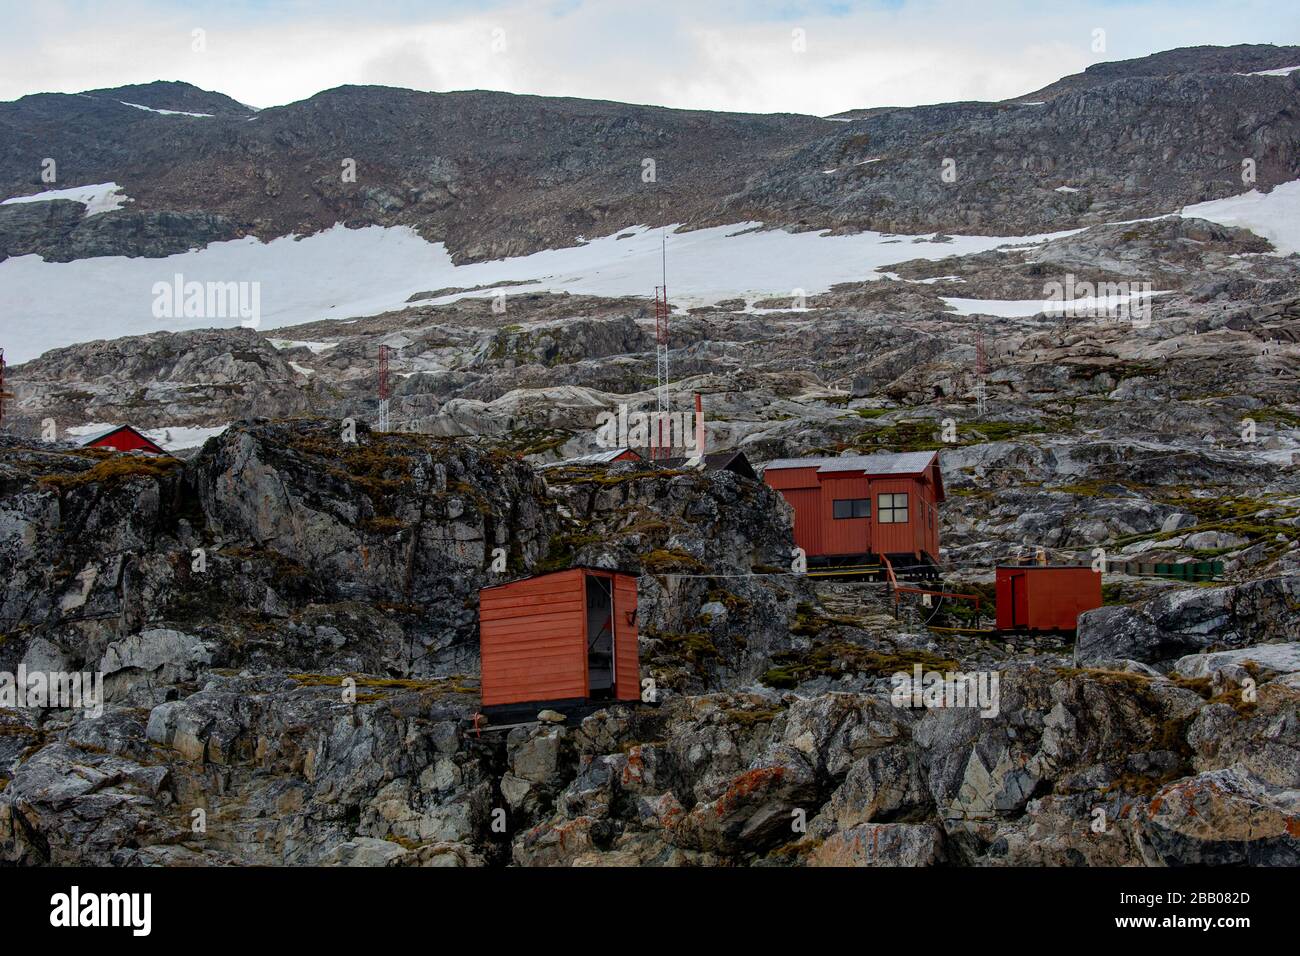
863	506
125	438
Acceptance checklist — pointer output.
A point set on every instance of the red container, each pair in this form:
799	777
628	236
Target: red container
560	638
1045	597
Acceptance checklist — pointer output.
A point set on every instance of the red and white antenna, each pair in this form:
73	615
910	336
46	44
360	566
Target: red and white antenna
659	447
383	388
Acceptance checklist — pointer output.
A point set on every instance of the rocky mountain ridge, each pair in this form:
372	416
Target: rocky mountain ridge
494	175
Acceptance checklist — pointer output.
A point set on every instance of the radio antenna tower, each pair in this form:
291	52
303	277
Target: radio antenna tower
981	370
3	393
659	448
383	388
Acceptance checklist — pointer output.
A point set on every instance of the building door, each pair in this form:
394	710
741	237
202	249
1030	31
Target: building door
600	637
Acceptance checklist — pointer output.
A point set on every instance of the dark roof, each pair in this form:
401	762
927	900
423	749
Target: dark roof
733	461
124	428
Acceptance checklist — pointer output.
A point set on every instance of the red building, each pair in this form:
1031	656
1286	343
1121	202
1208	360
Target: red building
559	639
125	438
863	506
1041	597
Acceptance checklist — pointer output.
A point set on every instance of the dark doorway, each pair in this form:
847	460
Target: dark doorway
600	637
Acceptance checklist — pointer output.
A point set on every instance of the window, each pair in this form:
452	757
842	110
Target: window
893	509
851	508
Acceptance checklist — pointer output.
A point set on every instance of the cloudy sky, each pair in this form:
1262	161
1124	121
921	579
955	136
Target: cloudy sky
809	56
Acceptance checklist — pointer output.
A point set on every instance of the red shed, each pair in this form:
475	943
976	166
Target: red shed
1041	597
864	506
125	438
559	639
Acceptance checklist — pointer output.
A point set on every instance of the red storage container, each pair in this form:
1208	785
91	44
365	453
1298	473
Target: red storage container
1037	597
560	638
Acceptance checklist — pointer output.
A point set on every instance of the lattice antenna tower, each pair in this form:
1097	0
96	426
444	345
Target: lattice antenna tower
659	448
383	388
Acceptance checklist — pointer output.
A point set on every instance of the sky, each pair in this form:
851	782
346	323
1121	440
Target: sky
805	56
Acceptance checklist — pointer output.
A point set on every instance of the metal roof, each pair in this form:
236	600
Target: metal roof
881	463
595	458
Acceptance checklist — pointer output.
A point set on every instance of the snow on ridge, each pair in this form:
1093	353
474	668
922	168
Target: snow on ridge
1283	71
150	109
97	198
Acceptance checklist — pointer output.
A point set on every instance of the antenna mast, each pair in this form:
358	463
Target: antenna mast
659	448
383	388
981	370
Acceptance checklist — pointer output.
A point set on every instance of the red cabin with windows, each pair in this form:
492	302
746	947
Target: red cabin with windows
863	506
125	438
1041	597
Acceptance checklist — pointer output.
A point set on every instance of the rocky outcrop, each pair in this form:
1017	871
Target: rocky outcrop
1190	621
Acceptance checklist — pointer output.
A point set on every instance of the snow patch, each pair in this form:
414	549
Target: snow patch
344	272
1274	215
177	437
1284	71
150	109
101	197
314	347
1023	308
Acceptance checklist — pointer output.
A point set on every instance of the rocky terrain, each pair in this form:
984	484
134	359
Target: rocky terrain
287	620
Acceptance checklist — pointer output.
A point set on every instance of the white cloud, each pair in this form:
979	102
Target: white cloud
672	52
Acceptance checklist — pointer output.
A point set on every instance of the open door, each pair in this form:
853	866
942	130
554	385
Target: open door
600	637
627	677
1019	601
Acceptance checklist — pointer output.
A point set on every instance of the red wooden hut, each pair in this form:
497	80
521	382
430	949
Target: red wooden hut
125	438
559	639
1042	597
863	506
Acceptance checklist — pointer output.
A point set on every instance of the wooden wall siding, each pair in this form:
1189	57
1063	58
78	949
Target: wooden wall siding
842	536
627	674
1046	598
806	503
531	639
895	538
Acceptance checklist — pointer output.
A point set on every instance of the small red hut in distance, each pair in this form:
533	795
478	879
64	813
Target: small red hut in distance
1045	597
559	639
863	507
125	438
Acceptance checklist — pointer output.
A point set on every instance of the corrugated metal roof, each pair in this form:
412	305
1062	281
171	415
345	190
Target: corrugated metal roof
881	463
595	458
885	463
